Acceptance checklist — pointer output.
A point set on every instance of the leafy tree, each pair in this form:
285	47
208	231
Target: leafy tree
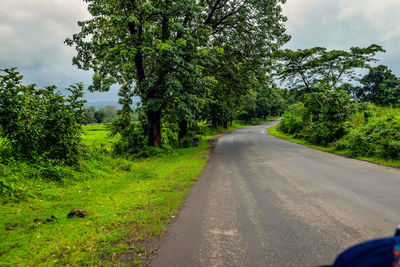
307	68
110	112
322	118
162	46
326	114
380	86
40	123
88	114
270	101
99	116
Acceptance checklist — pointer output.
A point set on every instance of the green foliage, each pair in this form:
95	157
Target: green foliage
10	191
379	86
187	142
304	69
322	119
325	116
103	114
170	135
190	59
292	121
40	123
98	116
88	115
377	137
357	130
97	136
133	143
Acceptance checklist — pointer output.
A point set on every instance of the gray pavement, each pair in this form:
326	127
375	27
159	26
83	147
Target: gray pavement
263	201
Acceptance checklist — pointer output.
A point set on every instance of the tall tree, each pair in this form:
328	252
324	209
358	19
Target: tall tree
306	68
380	86
156	45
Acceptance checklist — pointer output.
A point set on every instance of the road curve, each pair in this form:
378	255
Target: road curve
263	201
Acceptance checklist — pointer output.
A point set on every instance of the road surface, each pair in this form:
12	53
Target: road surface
263	201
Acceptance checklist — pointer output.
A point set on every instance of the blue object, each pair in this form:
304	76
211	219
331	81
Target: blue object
380	252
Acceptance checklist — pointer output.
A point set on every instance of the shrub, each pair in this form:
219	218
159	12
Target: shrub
39	123
292	121
9	190
133	140
379	137
201	127
188	142
325	115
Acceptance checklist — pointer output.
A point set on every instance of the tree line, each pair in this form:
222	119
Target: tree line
101	114
306	70
194	63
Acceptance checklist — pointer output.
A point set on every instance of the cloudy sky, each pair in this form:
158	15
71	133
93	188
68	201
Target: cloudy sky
32	33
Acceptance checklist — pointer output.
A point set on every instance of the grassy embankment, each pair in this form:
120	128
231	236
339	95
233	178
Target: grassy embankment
129	201
275	132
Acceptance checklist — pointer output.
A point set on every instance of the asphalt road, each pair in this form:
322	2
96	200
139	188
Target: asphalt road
263	201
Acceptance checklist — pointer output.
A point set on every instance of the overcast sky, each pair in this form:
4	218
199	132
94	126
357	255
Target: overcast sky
32	33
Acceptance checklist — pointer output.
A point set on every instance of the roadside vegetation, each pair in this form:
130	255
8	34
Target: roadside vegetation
127	201
96	195
87	195
361	121
88	198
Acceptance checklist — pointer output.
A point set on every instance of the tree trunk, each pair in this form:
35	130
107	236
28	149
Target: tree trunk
226	124
154	128
214	124
183	129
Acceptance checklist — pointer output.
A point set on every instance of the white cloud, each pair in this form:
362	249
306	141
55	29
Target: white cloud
6	31
32	34
340	24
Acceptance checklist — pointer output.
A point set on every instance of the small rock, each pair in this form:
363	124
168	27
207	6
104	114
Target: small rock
77	213
9	228
38	219
51	219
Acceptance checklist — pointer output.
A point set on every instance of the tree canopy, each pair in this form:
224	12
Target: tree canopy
168	51
306	68
379	86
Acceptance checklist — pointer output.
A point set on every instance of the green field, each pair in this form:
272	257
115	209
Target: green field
97	135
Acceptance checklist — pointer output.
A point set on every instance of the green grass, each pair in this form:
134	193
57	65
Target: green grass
129	202
274	131
97	135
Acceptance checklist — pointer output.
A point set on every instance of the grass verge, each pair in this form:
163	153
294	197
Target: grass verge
274	131
128	201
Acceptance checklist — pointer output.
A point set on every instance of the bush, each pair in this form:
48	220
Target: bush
325	116
10	191
188	142
133	140
292	121
379	137
245	116
39	123
201	127
321	120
